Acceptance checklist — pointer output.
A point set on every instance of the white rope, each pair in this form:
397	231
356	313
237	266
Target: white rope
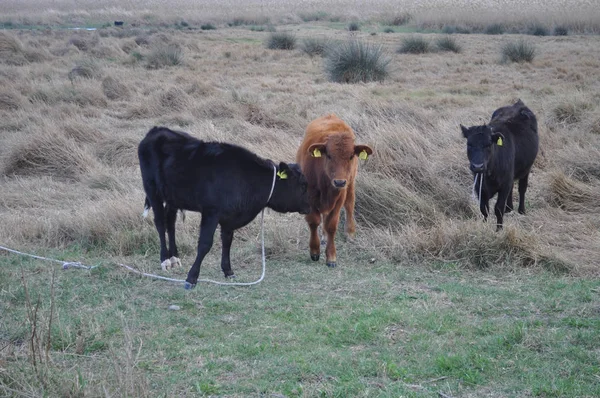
77	264
480	185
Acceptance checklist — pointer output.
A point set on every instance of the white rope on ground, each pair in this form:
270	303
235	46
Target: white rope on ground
77	264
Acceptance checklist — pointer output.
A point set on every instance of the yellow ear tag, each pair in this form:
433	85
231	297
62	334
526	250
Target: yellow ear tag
499	142
282	175
317	153
363	155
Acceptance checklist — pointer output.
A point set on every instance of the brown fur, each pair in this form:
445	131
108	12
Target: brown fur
338	162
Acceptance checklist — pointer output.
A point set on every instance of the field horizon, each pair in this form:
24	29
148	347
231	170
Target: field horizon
427	300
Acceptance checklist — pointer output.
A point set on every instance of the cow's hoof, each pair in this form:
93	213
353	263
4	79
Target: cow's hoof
175	262
314	257
331	264
165	265
232	276
188	286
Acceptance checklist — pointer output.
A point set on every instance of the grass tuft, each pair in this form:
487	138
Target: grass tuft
114	89
87	69
561	31
451	29
165	55
353	27
355	61
414	45
208	26
538	30
573	196
448	44
314	46
281	41
10	100
400	19
494	29
520	51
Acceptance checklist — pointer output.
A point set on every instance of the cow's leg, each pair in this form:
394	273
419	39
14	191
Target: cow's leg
226	239
522	188
171	216
500	206
349	207
330	225
159	222
208	225
484	206
509	200
314	219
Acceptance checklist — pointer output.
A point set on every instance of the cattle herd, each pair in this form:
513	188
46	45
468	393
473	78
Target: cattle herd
230	185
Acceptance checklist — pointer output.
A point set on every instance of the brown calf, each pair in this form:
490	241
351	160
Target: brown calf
328	159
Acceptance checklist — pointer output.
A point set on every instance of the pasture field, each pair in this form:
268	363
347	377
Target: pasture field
426	301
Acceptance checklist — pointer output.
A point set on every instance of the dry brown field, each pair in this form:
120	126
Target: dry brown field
75	104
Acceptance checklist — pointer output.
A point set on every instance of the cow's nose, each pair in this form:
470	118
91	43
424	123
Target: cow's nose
339	183
477	167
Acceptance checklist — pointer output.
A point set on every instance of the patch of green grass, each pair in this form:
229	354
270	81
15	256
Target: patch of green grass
304	331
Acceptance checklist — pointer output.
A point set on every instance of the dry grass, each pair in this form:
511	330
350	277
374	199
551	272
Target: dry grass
68	153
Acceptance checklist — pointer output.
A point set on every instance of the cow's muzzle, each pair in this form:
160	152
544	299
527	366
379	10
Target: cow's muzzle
339	183
477	168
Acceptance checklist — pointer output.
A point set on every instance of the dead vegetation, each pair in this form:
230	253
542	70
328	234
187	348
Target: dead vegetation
69	165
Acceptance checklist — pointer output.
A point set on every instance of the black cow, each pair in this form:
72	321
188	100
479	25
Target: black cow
228	184
500	153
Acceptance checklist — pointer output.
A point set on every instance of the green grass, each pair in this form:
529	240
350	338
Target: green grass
361	329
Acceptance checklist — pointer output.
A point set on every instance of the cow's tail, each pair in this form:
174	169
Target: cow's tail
146	208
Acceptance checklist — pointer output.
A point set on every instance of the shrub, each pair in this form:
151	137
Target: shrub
414	45
520	51
313	46
448	44
208	26
281	41
355	61
538	30
561	31
401	19
388	30
353	27
494	29
164	55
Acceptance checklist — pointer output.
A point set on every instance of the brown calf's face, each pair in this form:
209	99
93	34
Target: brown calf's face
338	154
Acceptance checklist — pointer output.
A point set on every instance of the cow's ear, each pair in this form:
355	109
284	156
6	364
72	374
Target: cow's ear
363	151
498	139
465	131
317	150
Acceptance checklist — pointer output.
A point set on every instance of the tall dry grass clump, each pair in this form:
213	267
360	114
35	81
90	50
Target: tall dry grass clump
114	89
10	100
414	45
355	61
573	196
49	152
165	55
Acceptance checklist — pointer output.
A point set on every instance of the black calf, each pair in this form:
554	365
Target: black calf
500	153
228	184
